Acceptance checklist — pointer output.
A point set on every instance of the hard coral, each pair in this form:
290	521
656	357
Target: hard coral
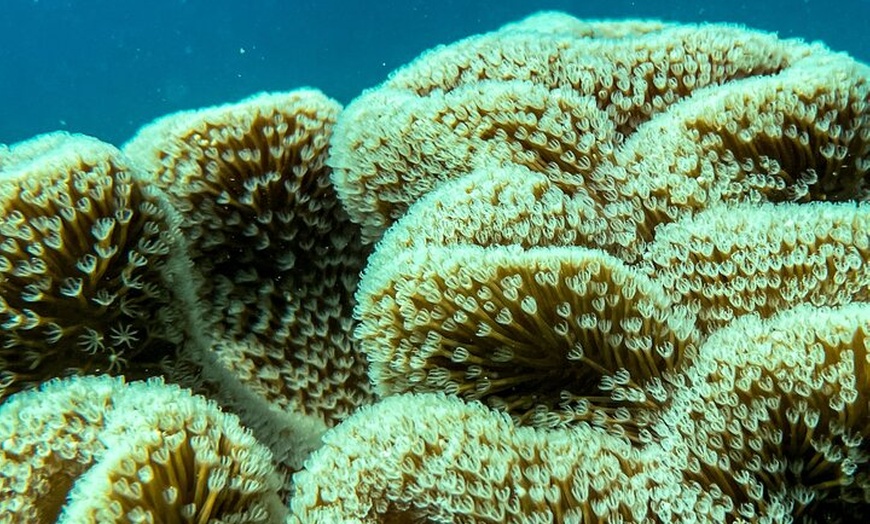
557	103
91	265
95	449
542	219
277	255
621	276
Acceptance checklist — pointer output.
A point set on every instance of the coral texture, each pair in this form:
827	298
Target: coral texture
567	271
92	271
567	237
768	424
95	449
278	258
558	104
435	458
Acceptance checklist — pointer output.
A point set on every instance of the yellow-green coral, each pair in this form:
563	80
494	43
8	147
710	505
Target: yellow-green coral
276	253
553	336
774	412
732	201
557	103
95	449
92	272
729	261
435	458
625	279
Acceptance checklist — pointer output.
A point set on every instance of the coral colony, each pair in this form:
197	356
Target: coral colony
568	271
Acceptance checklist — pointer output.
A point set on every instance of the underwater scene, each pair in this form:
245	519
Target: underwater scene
434	262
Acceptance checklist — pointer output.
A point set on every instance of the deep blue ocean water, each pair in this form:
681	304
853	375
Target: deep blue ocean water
106	67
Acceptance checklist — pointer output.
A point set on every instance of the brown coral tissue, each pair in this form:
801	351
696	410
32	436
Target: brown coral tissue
616	229
567	271
92	275
264	228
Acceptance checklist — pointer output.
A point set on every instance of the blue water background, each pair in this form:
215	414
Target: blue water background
106	67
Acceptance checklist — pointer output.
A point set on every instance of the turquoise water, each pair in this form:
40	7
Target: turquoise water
106	67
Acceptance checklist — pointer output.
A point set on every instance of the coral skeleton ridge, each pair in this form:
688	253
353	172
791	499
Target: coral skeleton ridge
566	271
